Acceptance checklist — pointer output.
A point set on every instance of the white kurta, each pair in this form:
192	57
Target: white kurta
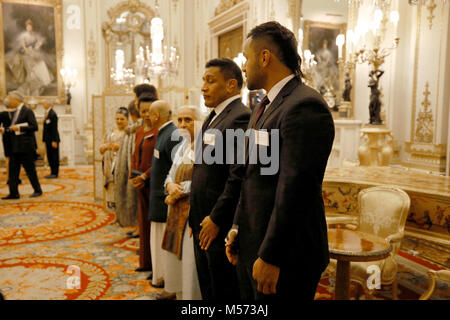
181	275
158	259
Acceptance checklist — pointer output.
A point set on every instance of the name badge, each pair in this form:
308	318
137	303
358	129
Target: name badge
47	121
210	139
156	153
262	138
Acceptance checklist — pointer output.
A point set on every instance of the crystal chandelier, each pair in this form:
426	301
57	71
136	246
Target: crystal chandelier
120	74
161	60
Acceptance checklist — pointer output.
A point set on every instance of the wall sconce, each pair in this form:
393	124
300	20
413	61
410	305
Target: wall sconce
69	76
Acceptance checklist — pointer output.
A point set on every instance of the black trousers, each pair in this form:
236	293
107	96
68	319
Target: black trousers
27	161
53	158
217	276
295	284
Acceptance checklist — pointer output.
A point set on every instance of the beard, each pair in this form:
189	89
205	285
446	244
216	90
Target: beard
257	80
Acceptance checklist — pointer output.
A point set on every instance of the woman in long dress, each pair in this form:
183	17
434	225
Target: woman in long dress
181	271
125	194
109	151
140	178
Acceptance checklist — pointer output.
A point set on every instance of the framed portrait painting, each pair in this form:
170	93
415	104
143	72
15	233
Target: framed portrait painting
320	39
31	51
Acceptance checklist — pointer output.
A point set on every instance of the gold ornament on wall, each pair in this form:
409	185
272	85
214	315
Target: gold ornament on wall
224	5
92	54
431	6
425	123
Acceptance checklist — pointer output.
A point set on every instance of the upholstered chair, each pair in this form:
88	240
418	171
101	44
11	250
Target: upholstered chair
382	211
443	275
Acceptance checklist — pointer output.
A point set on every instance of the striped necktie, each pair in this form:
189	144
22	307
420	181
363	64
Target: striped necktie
261	108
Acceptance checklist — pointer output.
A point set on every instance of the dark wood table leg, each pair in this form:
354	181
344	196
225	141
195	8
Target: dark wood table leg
341	290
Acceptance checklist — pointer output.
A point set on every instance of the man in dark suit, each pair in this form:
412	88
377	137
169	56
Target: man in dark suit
23	146
50	136
5	122
214	187
165	147
279	238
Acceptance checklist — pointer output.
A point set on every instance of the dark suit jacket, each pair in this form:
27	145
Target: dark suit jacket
5	122
161	163
281	217
26	142
214	187
50	133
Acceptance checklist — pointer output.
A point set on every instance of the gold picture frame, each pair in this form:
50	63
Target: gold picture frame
32	50
315	35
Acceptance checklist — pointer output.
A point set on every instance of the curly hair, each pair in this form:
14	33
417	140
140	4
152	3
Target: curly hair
282	43
145	88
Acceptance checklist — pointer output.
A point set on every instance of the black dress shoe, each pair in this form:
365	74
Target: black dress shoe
158	285
10	197
142	269
166	296
150	276
36	194
131	235
52	176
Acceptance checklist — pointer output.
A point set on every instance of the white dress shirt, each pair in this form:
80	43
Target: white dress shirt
219	109
273	93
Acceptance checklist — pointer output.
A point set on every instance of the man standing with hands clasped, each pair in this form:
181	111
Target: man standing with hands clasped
50	136
213	198
279	238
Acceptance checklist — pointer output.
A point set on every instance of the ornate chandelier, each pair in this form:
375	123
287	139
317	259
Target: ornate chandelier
160	60
153	61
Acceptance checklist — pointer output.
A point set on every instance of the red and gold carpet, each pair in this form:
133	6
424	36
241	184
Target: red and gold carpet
27	222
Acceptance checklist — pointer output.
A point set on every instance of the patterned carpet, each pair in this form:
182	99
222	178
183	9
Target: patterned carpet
64	246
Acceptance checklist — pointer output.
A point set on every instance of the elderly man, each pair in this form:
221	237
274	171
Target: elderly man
23	146
168	140
50	136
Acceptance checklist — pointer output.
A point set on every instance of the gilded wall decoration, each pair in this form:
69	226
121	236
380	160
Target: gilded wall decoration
32	49
295	8
230	43
431	6
92	53
224	5
127	35
425	123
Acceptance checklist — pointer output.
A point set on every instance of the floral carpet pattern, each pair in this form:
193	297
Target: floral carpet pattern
64	246
26	222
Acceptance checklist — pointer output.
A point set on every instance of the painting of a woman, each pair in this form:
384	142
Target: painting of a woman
31	54
28	63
